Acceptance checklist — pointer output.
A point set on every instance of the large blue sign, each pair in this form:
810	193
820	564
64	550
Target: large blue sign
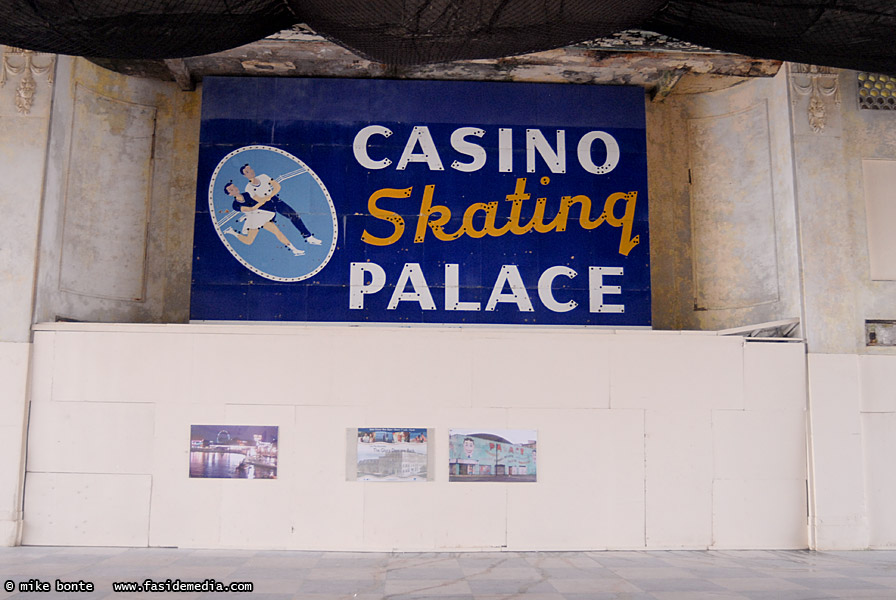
421	202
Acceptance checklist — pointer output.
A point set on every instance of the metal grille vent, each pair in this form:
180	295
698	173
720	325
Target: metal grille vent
877	92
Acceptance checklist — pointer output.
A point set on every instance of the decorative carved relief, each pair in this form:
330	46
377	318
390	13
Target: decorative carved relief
818	83
17	61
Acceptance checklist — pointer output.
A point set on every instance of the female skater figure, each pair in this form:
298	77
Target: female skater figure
255	218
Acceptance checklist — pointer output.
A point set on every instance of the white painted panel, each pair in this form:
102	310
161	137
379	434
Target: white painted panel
671	372
254	414
43	362
257	514
759	445
172	485
879	435
253	369
836	437
91	437
329	517
425	416
107	197
550	370
879	177
328	509
14	359
679	478
878	382
472	515
401	515
124	367
9	532
82	509
170	527
10	480
774	376
402	367
604	481
391	367
757	514
590	490
732	210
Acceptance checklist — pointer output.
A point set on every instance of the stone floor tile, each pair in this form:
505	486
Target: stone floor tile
629	575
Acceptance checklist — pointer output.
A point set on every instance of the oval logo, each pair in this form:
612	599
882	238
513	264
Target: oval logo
273	213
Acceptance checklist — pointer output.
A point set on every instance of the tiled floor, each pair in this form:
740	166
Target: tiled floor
675	575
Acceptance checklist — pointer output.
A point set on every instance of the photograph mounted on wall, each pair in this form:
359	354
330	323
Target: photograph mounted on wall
505	455
233	451
392	454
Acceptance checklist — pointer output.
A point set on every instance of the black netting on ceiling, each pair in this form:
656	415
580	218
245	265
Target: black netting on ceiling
139	28
422	31
835	33
857	34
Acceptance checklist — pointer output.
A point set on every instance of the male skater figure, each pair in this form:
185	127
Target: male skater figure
254	219
262	186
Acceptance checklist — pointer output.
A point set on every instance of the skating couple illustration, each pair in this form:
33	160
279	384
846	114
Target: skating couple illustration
259	204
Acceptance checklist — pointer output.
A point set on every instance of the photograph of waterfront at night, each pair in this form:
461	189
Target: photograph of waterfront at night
233	451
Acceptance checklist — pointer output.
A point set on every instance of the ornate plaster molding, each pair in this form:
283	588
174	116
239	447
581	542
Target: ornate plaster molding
817	83
17	61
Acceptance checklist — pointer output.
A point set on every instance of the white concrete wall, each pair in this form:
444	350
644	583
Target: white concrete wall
869	138
877	381
14	361
23	149
646	439
77	273
852	387
839	289
839	512
24	128
853	433
686	447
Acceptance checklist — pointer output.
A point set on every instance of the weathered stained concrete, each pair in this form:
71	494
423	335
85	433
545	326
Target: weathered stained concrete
723	235
116	236
639	58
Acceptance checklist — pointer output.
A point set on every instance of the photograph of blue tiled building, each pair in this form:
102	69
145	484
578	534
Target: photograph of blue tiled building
494	455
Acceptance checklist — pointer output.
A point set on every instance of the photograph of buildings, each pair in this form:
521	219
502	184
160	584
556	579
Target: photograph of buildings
233	451
386	454
492	455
